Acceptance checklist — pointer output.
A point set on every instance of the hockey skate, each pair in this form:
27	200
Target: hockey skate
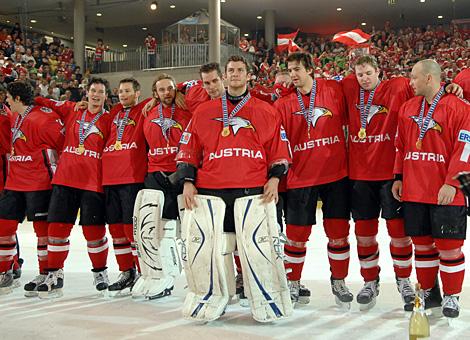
100	280
407	293
240	291
52	286
298	292
6	282
433	298
368	295
450	307
123	286
17	274
343	296
31	288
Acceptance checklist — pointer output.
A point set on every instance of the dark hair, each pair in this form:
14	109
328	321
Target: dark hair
22	90
367	59
302	58
97	80
135	83
237	58
206	68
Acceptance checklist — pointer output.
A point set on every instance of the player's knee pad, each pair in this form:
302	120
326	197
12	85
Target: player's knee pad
338	242
367	227
94	233
451	254
401	241
396	228
298	233
8	227
261	256
207	259
366	241
59	231
40	228
336	228
447	244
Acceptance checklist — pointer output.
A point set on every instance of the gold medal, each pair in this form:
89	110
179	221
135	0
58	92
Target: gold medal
362	133
118	145
419	144
81	149
12	152
225	131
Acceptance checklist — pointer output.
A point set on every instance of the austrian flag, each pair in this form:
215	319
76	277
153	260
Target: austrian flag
351	38
286	42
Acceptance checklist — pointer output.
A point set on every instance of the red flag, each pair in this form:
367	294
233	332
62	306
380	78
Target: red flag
351	38
284	41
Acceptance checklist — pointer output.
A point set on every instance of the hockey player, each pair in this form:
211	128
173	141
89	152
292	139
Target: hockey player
77	185
433	145
372	107
124	169
463	79
313	116
232	148
35	138
163	127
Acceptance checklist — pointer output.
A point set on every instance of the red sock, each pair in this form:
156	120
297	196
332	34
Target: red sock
337	231
129	232
368	254
122	247
97	245
58	244
426	261
41	228
296	249
7	244
452	269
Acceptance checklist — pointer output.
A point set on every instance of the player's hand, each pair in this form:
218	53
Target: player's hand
446	194
270	192
455	89
81	105
396	190
149	106
189	190
179	101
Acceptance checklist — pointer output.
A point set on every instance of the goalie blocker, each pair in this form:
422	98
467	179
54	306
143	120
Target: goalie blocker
208	263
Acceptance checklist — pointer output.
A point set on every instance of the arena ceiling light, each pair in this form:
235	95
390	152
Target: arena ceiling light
154	6
363	23
246	34
259	17
422	0
124	45
339	9
222	0
33	21
99	14
440	17
172	6
144	28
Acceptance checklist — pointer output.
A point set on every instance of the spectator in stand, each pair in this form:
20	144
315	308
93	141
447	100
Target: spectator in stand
98	58
150	44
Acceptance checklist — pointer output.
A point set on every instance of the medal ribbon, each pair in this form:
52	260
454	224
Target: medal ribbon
18	122
81	133
226	117
165	132
365	111
122	123
424	126
308	115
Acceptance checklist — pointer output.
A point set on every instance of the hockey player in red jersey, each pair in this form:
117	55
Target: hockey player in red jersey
124	168
233	146
35	138
77	184
313	117
433	146
372	122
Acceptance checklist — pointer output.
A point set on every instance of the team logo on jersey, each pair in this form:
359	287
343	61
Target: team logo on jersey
374	110
117	121
317	114
46	109
93	130
237	123
19	135
433	125
166	124
190	83
185	137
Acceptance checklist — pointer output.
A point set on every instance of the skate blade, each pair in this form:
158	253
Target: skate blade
31	294
166	292
243	302
451	322
57	293
434	312
343	305
303	300
367	306
120	293
16	283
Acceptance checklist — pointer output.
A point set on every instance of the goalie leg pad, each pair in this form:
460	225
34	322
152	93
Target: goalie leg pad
260	252
207	260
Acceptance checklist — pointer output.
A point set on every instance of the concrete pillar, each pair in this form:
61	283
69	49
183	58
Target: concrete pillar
214	31
270	27
79	34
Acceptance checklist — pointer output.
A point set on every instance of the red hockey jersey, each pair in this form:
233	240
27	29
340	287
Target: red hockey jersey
128	165
194	94
321	158
463	79
240	160
372	158
4	141
445	149
162	152
35	146
82	171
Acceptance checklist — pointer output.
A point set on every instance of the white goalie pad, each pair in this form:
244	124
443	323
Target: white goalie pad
157	245
261	256
207	260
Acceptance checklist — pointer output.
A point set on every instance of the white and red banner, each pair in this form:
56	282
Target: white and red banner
351	38
286	42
